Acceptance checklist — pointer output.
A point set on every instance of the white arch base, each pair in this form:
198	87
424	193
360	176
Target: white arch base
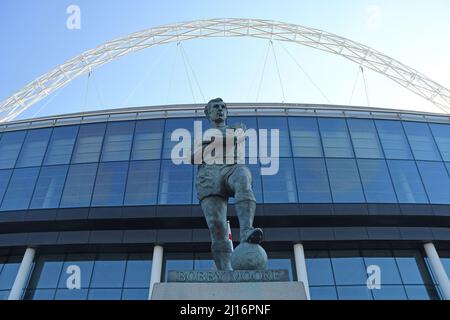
264	29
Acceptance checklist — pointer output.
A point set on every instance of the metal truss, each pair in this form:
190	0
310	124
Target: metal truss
264	29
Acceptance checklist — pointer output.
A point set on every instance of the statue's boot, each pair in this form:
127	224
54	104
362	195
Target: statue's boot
252	235
221	251
245	211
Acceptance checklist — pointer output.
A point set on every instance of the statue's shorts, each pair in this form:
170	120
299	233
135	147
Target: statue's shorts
212	180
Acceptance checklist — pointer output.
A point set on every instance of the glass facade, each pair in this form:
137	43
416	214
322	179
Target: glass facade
323	160
102	276
403	274
9	265
345	274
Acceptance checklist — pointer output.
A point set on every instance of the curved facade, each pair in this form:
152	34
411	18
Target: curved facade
357	187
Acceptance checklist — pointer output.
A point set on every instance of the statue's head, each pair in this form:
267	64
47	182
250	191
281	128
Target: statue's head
216	110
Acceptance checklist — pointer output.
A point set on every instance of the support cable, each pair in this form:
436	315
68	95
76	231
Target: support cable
146	76
99	97
86	92
174	62
187	73
354	87
255	76
365	85
278	70
305	73
47	103
262	74
186	57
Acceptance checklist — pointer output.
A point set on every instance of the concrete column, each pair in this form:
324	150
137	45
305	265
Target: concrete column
300	267
157	262
22	275
438	269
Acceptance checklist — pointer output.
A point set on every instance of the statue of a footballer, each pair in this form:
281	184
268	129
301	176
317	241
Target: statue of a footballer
216	183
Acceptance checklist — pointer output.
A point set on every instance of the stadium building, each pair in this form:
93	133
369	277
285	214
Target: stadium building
359	209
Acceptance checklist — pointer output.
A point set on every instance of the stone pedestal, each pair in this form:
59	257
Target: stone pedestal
291	290
229	285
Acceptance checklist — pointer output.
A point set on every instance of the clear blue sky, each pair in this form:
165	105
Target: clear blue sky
35	39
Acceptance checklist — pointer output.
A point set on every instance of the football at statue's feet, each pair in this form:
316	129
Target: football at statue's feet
249	256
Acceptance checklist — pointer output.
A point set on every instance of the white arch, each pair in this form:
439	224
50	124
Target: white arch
265	29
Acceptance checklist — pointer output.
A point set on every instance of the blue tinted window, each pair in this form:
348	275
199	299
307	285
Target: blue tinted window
408	262
393	139
445	259
279	123
354	293
348	267
280	188
305	137
20	189
135	294
335	138
407	182
61	144
79	185
436	181
318	266
86	264
175	185
171	126
118	139
89	143
10	146
71	294
9	272
138	271
376	181
41	294
109	271
384	259
47	271
204	261
344	180
312	180
142	183
441	133
5	175
323	293
110	184
364	138
104	294
387	292
49	187
148	138
420	293
421	141
33	149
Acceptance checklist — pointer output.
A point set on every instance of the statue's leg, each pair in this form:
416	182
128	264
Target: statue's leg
215	211
240	182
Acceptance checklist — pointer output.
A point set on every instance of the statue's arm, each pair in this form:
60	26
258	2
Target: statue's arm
198	153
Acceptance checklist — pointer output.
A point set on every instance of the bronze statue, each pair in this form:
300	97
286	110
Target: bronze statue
215	184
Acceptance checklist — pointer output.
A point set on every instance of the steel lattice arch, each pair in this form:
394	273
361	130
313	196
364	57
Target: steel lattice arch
264	29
